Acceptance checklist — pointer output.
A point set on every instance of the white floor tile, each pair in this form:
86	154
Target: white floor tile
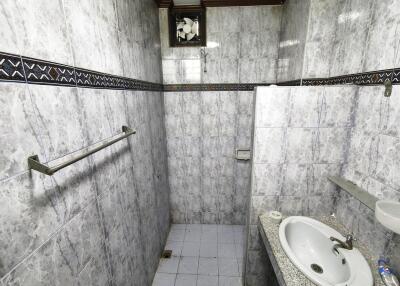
228	267
209	227
168	265
208	266
209	236
175	246
226	250
239	250
225	228
188	265
240	266
202	255
194	227
176	235
178	226
163	279
238	228
208	249
191	248
230	281
193	235
225	237
186	280
205	280
238	237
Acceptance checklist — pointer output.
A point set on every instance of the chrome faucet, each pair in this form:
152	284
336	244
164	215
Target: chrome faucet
348	244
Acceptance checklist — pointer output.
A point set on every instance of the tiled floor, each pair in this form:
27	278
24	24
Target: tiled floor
202	255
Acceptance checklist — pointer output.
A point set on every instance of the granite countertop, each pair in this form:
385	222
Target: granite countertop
288	274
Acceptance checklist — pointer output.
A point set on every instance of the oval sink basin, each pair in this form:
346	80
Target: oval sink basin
307	243
388	214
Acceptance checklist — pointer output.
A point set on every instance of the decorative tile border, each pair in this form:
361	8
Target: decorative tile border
23	69
37	71
367	78
213	87
11	68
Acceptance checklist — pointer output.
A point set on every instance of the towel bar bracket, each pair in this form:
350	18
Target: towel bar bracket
34	163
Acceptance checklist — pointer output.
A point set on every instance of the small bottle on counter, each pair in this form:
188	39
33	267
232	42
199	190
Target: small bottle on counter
386	273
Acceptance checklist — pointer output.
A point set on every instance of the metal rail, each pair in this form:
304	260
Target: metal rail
34	163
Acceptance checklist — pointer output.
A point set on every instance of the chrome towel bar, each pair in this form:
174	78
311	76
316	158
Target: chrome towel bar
34	164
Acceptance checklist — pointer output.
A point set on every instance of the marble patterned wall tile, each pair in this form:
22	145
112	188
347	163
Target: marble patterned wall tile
230	14
60	125
353	18
191	71
300	145
46	39
172	71
95	25
272	111
19	138
295	16
7	9
31	211
267	179
205	153
269	145
320	37
385	18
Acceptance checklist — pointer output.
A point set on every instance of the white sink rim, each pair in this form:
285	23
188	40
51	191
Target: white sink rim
386	216
360	275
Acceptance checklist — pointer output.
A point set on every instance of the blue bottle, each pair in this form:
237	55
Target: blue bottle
386	273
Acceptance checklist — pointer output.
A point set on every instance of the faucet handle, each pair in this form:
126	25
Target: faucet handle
350	237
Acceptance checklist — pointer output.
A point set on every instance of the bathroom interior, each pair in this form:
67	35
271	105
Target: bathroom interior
199	142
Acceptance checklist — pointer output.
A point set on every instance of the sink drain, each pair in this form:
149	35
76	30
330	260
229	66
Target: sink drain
316	268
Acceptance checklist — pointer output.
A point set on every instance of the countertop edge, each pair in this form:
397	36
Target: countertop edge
271	255
279	259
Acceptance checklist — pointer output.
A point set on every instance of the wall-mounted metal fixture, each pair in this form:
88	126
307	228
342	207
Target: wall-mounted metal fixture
361	195
34	163
243	154
204	55
388	88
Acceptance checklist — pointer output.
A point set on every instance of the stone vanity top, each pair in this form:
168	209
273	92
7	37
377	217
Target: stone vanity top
286	273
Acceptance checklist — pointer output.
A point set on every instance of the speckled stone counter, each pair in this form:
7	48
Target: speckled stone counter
287	274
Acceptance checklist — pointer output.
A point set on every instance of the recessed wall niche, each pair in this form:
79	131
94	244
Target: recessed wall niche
187	26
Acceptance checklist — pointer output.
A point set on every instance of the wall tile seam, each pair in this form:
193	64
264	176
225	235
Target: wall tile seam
368	37
68	35
49	238
305	42
152	162
94	201
333	41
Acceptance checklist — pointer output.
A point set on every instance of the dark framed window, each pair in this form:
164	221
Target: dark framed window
187	26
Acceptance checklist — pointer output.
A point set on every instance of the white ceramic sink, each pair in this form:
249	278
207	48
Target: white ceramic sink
388	214
307	244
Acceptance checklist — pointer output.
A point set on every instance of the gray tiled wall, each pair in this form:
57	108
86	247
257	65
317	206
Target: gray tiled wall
89	223
373	164
303	134
322	38
203	130
242	47
300	135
